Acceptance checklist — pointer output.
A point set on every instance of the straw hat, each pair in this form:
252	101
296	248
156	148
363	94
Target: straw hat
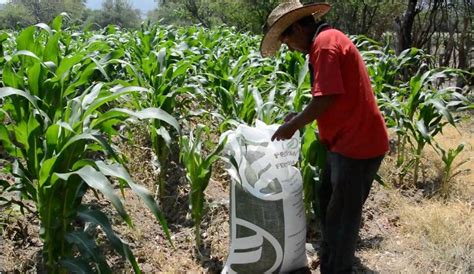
283	16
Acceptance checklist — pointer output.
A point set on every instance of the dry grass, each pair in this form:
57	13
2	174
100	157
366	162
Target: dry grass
419	236
435	237
428	234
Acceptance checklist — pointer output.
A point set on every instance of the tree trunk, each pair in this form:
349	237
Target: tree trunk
405	26
430	25
464	47
194	10
450	44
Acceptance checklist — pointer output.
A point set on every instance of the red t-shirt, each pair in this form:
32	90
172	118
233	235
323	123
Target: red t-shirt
352	125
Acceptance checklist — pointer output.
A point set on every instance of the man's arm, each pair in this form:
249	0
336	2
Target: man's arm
313	110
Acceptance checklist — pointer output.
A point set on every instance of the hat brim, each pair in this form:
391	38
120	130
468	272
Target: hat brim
271	40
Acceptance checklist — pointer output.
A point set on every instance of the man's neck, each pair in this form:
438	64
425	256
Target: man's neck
318	29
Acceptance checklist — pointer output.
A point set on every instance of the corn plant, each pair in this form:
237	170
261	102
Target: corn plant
416	107
418	112
48	152
234	83
164	72
384	66
293	70
228	90
57	128
449	170
268	111
198	172
312	162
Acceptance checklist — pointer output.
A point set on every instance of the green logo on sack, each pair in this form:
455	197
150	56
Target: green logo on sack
293	144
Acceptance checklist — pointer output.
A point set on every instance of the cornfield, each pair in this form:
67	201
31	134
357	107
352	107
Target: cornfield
67	95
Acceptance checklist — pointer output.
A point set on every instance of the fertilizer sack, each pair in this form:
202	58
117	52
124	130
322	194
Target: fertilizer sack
267	223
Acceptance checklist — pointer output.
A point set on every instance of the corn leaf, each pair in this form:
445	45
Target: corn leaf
52	51
8	91
88	248
76	266
107	99
97	180
118	171
151	113
58	21
24	39
99	218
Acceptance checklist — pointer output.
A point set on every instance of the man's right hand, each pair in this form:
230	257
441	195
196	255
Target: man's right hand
285	132
290	116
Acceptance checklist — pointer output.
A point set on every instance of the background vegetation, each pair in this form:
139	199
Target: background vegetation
442	28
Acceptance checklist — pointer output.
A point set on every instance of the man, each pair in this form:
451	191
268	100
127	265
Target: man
349	122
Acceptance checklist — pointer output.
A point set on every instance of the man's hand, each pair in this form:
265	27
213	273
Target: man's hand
285	131
290	116
294	121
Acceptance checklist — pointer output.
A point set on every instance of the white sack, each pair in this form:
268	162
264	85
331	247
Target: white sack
268	226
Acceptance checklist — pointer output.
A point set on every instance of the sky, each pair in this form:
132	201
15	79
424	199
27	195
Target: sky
143	5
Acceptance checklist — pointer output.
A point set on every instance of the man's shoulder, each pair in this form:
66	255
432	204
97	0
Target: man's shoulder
330	37
332	34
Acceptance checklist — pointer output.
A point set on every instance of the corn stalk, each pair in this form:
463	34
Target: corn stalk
198	172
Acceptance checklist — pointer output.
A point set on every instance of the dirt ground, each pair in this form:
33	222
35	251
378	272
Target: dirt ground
403	230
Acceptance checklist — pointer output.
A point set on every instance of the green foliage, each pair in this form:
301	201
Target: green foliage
414	98
57	128
450	169
21	13
312	163
198	172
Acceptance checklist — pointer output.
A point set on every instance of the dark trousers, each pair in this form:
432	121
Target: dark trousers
345	186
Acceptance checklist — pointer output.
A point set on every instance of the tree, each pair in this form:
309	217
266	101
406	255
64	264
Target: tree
33	6
246	15
117	12
15	16
36	11
465	43
367	17
405	25
440	27
75	8
259	11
